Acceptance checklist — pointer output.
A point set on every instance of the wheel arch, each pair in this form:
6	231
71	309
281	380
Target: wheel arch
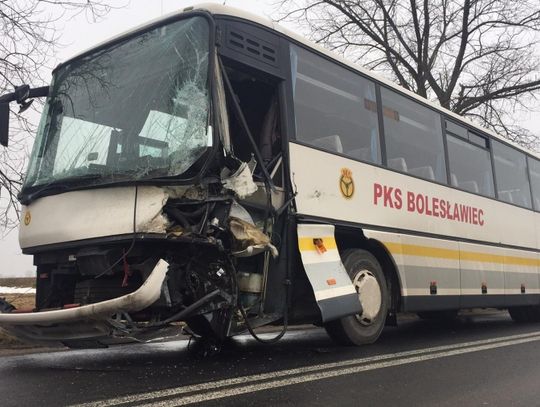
354	238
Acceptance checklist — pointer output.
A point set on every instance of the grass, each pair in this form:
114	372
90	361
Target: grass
8	342
18	282
19	301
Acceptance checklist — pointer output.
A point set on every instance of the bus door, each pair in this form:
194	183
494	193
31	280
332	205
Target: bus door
253	83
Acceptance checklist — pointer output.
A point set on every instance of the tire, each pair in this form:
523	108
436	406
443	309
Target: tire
367	276
200	326
442	316
525	314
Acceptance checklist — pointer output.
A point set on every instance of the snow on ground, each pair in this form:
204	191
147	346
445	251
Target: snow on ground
17	290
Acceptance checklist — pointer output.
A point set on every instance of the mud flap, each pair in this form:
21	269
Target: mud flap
333	289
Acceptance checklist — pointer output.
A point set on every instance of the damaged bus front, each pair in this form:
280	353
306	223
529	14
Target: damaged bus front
158	192
131	203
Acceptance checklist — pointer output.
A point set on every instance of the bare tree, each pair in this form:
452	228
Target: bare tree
28	40
478	58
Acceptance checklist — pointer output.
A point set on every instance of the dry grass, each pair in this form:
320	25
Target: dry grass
8	342
19	301
18	282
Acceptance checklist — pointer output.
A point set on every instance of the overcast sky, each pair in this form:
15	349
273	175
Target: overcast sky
79	34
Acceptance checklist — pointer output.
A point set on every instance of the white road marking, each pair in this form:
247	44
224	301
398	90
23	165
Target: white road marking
281	377
236	391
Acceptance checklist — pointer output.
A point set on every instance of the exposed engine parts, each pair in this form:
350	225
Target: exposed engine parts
218	260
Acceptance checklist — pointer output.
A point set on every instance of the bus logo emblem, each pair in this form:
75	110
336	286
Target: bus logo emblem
27	218
346	183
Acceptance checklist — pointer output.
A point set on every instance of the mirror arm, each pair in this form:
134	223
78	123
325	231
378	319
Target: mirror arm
24	92
41	92
23	95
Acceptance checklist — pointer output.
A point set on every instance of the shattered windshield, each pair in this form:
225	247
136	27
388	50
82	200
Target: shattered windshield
137	109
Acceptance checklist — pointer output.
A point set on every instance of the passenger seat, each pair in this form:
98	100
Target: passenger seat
453	180
397	163
331	143
506	196
363	154
423	172
471	186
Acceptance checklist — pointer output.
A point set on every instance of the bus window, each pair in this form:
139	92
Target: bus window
511	175
470	167
336	109
456	129
478	140
534	169
413	137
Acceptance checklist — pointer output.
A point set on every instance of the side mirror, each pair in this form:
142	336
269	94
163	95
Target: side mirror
4	124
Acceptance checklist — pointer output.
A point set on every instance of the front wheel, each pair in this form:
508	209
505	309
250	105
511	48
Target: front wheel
367	277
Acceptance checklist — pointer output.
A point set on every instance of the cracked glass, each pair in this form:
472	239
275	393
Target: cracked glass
134	110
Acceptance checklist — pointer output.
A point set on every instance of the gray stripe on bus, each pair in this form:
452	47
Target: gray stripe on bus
420	277
471	279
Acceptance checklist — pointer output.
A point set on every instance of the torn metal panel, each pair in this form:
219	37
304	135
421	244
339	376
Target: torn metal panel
241	182
238	211
158	223
248	239
190	192
260	196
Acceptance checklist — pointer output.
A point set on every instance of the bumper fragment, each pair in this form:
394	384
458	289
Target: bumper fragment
35	325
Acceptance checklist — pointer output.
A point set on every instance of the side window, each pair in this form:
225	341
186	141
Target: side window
470	166
534	170
511	175
335	108
413	135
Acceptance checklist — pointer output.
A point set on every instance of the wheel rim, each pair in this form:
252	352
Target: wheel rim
369	293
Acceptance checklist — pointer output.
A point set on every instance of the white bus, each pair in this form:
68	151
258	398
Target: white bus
214	168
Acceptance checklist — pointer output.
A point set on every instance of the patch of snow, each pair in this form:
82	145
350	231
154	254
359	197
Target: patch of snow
17	290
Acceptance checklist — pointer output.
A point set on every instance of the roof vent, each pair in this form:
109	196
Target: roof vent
252	46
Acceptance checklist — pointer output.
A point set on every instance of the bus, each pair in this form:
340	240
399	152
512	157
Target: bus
215	172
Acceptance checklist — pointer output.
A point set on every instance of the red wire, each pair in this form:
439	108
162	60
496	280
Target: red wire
127	271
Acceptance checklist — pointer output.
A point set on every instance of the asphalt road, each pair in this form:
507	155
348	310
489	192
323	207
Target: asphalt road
482	360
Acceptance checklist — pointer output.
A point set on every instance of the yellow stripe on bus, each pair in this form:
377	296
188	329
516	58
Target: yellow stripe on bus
422	251
306	243
426	251
494	258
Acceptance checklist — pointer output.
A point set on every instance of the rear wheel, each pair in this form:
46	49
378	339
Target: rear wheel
367	277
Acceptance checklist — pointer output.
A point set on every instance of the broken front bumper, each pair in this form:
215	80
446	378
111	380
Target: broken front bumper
87	321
